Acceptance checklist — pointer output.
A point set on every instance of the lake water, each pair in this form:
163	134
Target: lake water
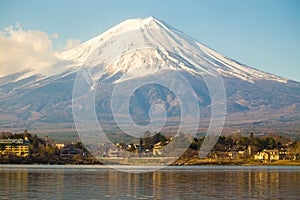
196	182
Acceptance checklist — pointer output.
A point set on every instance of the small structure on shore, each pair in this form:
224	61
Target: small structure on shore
18	147
271	155
69	151
157	149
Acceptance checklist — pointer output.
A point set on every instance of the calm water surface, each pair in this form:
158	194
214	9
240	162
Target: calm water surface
99	182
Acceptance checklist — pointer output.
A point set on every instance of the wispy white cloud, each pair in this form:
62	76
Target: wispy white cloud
29	49
55	36
22	49
72	43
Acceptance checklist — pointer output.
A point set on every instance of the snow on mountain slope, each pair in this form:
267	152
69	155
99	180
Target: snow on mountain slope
137	42
135	49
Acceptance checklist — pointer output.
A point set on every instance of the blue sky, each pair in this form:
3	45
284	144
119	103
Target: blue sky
262	34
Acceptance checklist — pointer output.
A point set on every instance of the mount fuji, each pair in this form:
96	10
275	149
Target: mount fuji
131	51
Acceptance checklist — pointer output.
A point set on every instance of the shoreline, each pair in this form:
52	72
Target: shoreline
181	162
211	162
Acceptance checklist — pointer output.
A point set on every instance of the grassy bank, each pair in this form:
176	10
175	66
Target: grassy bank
274	163
234	162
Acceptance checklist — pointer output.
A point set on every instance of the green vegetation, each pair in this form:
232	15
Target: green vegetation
241	150
240	142
42	152
236	149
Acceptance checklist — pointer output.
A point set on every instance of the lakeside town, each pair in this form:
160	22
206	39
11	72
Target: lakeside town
236	149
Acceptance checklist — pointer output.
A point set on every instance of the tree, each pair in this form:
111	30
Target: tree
271	143
229	142
244	141
149	141
35	141
251	138
295	149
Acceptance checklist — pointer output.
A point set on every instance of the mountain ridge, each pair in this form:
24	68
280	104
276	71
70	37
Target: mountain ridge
139	48
237	69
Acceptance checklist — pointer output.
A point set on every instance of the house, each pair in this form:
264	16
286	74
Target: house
49	141
59	145
232	154
18	147
69	151
268	155
285	154
245	152
157	149
224	155
114	152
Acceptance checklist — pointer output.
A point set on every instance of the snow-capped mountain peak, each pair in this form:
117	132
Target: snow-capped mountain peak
172	48
81	52
131	51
